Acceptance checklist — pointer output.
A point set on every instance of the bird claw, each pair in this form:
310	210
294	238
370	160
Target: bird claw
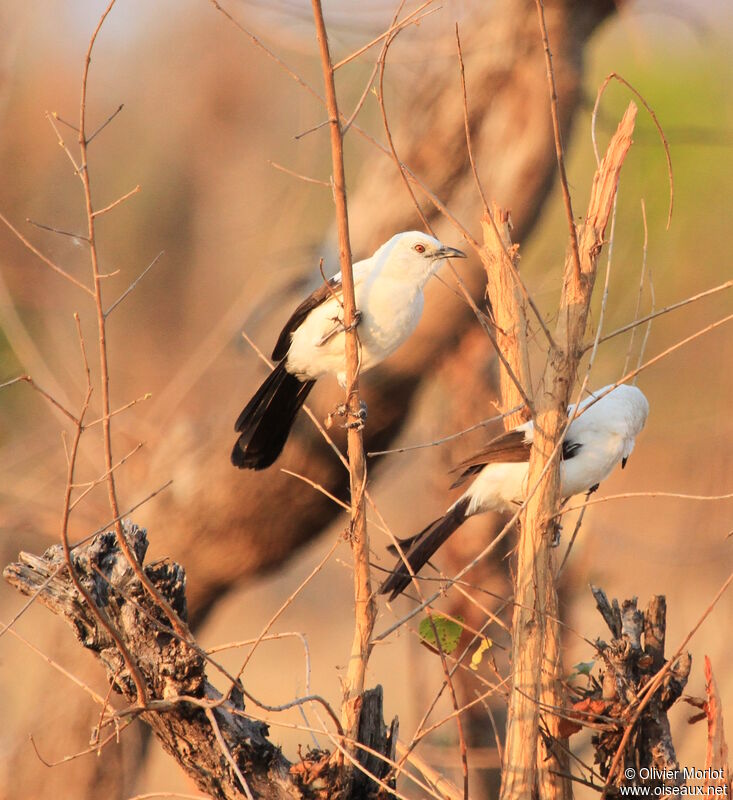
359	418
342	410
354	324
555	533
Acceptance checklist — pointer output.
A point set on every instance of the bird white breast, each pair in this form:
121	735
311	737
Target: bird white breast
390	310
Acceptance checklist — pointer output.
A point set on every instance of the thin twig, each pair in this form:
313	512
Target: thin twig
481	424
558	141
674	495
105	123
178	625
51	399
662	311
133	284
284	606
92	484
227	753
305	178
639	294
43	227
117	202
467	126
393	28
55	267
365	606
88	689
652	296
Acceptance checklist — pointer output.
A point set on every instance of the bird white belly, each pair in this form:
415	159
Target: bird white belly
593	463
498	487
389	314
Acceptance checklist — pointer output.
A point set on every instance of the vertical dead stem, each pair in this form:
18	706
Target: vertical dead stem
507	303
365	609
535	642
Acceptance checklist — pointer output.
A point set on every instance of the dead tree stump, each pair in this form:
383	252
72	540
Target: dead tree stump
190	718
631	659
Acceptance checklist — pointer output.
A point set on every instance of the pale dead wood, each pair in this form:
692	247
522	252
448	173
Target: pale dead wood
501	260
535	636
716	751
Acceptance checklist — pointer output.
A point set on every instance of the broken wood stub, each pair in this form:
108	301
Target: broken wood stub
631	659
180	700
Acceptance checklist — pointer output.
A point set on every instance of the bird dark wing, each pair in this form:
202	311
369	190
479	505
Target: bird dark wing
315	299
507	447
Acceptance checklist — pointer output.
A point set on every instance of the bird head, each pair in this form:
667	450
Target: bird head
414	255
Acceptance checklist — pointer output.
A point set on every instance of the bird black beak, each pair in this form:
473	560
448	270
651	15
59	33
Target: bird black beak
449	252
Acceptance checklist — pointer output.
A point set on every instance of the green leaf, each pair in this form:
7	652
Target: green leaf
449	632
478	656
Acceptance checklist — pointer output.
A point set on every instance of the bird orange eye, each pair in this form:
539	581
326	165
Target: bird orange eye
419	248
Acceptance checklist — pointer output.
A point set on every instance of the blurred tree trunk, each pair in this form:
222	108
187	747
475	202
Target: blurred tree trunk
226	524
222	510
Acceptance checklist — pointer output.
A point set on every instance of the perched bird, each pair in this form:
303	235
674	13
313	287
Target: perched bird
597	439
389	299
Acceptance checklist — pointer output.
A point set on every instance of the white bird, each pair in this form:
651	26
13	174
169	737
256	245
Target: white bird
598	438
388	289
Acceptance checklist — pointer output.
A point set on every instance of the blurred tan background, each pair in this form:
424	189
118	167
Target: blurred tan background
205	112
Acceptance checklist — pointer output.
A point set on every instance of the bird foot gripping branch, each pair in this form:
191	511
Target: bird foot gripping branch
357	420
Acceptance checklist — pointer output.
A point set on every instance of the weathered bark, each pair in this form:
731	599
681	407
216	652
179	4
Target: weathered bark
178	692
632	657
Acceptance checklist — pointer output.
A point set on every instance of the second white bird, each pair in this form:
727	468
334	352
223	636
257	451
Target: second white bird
602	434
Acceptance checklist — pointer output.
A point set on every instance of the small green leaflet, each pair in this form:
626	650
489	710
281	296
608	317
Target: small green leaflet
449	632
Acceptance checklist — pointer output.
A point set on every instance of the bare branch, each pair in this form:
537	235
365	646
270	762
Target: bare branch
298	175
117	202
365	606
43	227
134	284
105	123
44	258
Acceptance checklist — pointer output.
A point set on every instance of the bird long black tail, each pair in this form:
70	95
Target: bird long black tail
418	549
266	420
